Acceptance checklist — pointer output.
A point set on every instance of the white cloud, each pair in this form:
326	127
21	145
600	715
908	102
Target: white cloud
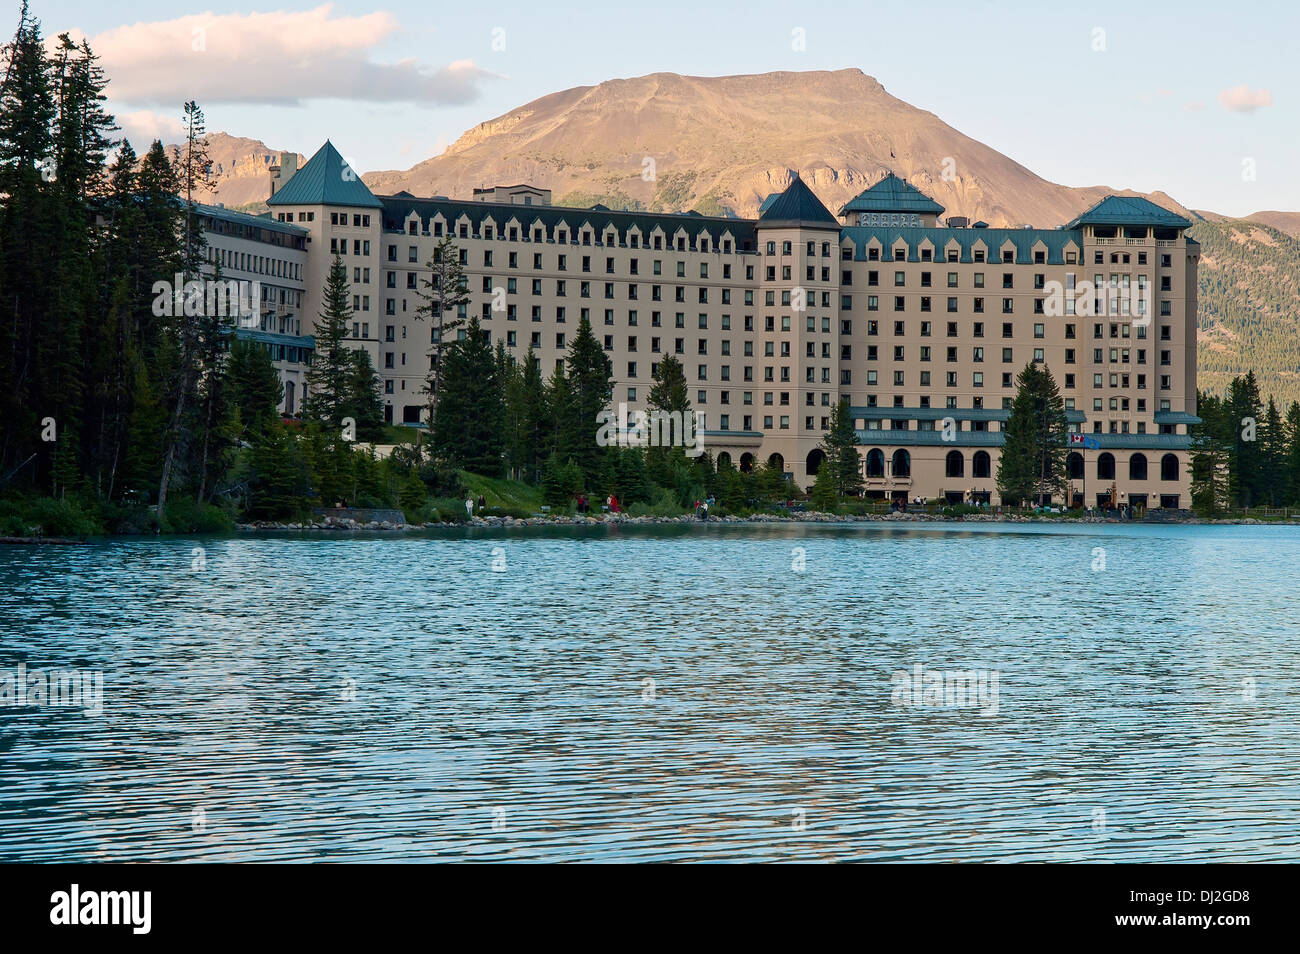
1195	106
282	57
1243	99
143	126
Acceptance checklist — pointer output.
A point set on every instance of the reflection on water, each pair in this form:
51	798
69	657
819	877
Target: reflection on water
658	694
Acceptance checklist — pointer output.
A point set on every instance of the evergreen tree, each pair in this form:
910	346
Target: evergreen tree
363	402
590	375
255	387
1243	412
842	458
332	367
188	327
30	227
1291	462
1032	465
445	290
1273	442
561	416
468	428
1211	455
280	481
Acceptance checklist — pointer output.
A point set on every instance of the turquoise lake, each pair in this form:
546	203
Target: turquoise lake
659	693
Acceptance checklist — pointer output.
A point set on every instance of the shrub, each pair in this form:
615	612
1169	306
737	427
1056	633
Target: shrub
188	516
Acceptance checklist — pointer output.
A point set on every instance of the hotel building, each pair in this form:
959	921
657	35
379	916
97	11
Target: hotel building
922	324
271	256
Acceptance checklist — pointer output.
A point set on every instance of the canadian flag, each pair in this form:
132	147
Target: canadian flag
1076	438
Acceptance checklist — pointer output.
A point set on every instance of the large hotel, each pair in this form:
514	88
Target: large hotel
921	324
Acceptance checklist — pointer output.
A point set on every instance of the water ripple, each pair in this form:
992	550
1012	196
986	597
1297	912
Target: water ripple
659	694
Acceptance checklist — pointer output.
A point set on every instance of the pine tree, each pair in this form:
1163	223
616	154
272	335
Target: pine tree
1273	456
534	429
30	226
332	365
195	168
1211	455
445	290
468	424
668	395
842	458
1032	465
255	387
561	416
589	374
1291	460
363	402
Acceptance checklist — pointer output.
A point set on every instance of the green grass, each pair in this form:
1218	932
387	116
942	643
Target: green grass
500	493
396	434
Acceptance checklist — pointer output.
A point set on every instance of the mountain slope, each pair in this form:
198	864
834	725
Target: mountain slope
727	142
722	144
1249	287
240	169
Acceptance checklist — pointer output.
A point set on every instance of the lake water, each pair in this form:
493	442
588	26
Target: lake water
660	693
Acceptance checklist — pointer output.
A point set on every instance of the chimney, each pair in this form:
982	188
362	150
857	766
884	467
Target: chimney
282	169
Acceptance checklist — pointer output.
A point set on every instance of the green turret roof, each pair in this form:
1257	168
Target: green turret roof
326	180
796	206
1129	210
892	194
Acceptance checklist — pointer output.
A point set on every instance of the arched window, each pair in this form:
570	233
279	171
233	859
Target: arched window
1074	465
981	465
814	461
724	461
1137	467
746	462
954	465
875	462
1106	466
777	463
902	463
1169	467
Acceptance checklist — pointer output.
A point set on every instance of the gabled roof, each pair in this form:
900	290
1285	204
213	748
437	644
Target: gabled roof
892	194
797	206
262	221
326	180
1055	242
398	209
1129	210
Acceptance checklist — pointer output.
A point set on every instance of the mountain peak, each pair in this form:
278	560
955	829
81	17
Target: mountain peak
722	144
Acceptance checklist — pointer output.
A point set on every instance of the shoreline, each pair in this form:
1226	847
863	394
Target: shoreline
334	526
346	525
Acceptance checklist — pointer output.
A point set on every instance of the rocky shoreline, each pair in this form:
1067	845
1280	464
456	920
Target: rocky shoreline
346	524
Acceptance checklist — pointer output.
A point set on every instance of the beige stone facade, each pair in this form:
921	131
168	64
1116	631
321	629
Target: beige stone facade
917	324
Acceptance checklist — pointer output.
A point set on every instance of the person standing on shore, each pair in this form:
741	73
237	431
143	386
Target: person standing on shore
469	508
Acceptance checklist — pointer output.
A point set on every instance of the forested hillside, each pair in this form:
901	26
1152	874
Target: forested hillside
1249	307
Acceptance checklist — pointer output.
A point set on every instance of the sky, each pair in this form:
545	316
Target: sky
1195	99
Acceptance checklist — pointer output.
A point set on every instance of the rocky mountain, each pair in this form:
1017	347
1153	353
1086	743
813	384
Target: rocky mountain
240	170
720	145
